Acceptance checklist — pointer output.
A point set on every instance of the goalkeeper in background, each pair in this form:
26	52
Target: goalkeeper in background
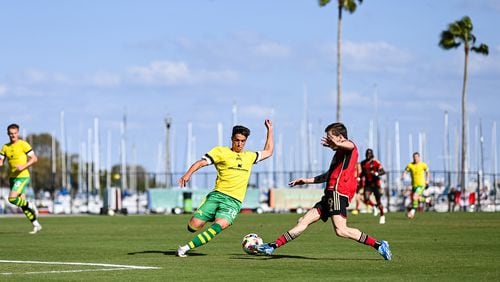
233	167
20	157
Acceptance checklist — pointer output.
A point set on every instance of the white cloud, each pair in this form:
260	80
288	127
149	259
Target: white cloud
369	56
374	56
177	73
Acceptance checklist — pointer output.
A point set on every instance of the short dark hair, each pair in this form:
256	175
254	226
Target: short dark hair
240	129
416	154
12	126
337	128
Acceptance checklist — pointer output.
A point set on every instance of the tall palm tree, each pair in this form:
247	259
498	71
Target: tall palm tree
350	6
460	33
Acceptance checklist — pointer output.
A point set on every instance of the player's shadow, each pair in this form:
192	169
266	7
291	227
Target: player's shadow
244	256
166	253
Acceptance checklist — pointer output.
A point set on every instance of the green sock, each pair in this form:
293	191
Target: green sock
205	236
18	201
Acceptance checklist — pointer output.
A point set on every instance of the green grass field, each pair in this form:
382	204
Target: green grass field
433	246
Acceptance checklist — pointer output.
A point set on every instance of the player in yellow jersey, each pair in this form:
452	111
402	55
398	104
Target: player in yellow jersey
233	167
419	172
20	157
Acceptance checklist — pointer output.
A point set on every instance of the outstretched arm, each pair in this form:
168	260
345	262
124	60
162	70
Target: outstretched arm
269	146
301	181
194	167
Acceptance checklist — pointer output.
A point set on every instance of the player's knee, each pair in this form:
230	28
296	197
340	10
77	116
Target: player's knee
341	232
192	229
13	200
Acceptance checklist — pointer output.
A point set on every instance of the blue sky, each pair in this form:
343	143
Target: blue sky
193	61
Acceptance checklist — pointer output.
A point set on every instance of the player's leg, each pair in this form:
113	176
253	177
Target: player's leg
339	222
304	221
219	206
367	198
17	197
310	217
379	207
417	192
359	197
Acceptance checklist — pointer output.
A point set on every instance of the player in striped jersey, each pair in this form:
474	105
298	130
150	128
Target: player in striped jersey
20	157
233	167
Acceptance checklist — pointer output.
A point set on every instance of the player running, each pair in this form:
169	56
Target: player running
20	157
419	172
371	170
340	186
233	167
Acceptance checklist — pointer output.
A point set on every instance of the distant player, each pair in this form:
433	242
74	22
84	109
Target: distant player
358	198
340	186
420	174
371	170
233	167
20	157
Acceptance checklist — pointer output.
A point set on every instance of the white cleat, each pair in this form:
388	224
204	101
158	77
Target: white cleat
382	219
375	211
181	252
411	214
36	229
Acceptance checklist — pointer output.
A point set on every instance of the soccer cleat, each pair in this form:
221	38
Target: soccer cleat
384	250
411	213
376	211
181	252
264	249
36	229
382	219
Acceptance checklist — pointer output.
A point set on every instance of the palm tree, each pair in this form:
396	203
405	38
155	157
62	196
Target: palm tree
460	33
350	6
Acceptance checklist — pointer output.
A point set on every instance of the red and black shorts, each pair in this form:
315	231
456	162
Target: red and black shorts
332	203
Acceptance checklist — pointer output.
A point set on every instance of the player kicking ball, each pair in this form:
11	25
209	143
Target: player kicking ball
340	187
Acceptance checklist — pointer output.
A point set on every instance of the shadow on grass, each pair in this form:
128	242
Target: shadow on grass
262	257
166	253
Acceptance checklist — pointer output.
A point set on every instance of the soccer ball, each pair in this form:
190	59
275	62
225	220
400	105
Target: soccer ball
249	242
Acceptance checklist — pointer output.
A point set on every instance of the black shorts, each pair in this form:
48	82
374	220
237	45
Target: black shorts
332	203
375	189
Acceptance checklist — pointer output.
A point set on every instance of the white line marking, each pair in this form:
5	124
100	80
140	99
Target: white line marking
113	266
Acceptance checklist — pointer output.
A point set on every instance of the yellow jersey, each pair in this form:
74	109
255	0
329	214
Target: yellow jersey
417	171
17	154
233	170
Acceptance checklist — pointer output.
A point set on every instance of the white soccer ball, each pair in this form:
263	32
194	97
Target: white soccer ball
249	242
111	212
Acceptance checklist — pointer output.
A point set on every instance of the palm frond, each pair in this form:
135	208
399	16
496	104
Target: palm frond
323	2
448	40
481	49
